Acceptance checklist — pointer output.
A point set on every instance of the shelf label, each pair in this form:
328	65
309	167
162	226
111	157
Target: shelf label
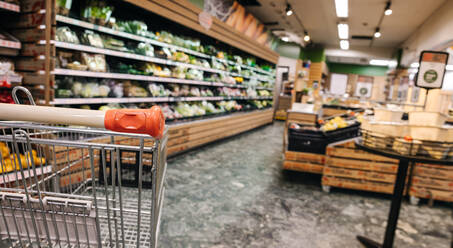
205	20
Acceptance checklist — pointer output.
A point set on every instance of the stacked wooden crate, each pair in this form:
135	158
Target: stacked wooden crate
349	167
432	182
305	162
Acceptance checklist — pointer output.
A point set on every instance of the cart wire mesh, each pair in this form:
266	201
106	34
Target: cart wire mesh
51	193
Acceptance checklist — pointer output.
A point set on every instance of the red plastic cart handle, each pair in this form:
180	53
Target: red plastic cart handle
144	121
149	121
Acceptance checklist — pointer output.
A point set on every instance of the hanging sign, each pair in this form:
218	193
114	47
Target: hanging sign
432	69
205	20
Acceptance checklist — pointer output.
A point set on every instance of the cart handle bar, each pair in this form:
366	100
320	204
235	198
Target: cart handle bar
143	121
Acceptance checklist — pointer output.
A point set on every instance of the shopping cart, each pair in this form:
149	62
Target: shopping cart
50	191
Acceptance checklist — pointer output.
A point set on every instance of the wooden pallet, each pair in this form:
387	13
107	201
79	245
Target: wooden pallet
349	167
432	182
305	162
187	136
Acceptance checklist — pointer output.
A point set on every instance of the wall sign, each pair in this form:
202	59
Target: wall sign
432	69
363	89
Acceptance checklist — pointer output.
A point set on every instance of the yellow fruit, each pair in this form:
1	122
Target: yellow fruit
4	150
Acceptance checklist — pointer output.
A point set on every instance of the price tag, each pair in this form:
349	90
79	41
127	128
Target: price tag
432	69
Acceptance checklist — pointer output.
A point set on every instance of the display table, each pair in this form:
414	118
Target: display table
397	196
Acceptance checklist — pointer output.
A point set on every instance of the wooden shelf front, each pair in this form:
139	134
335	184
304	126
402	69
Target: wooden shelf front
186	136
185	13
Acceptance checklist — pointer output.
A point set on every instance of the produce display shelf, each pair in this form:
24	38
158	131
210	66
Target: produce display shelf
244	66
16	175
112	75
87	25
9	6
102	100
128	55
10	44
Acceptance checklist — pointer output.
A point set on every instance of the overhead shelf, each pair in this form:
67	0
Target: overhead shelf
87	25
101	100
112	75
9	6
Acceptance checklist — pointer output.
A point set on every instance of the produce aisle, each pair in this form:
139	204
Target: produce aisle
234	194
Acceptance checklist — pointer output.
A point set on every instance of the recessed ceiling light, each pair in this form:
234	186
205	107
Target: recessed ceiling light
383	62
344	44
341	7
343	30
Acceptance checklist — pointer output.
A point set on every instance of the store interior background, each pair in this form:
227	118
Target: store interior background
410	29
226	180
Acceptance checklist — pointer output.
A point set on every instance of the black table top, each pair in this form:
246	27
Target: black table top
395	155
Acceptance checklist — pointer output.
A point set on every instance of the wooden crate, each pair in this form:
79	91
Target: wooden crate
305	162
347	183
432	182
349	167
301	118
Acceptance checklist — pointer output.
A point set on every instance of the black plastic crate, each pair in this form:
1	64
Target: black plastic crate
348	132
316	141
302	140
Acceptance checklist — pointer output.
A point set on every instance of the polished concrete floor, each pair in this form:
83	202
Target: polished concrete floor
234	194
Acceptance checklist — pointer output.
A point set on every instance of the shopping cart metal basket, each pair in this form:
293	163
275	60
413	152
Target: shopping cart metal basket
51	194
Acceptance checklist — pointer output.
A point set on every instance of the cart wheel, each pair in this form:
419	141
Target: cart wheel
414	200
326	188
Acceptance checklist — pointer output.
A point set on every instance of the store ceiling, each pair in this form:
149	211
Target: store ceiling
320	20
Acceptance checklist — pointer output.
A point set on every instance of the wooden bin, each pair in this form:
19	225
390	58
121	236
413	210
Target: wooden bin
432	182
349	167
305	162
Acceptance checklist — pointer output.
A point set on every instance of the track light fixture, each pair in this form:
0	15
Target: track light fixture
306	37
388	10
289	10
377	33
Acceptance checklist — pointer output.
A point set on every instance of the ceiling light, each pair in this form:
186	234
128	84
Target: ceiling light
392	63
415	65
381	62
344	44
306	37
285	39
289	10
341	6
449	68
343	30
377	34
388	10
